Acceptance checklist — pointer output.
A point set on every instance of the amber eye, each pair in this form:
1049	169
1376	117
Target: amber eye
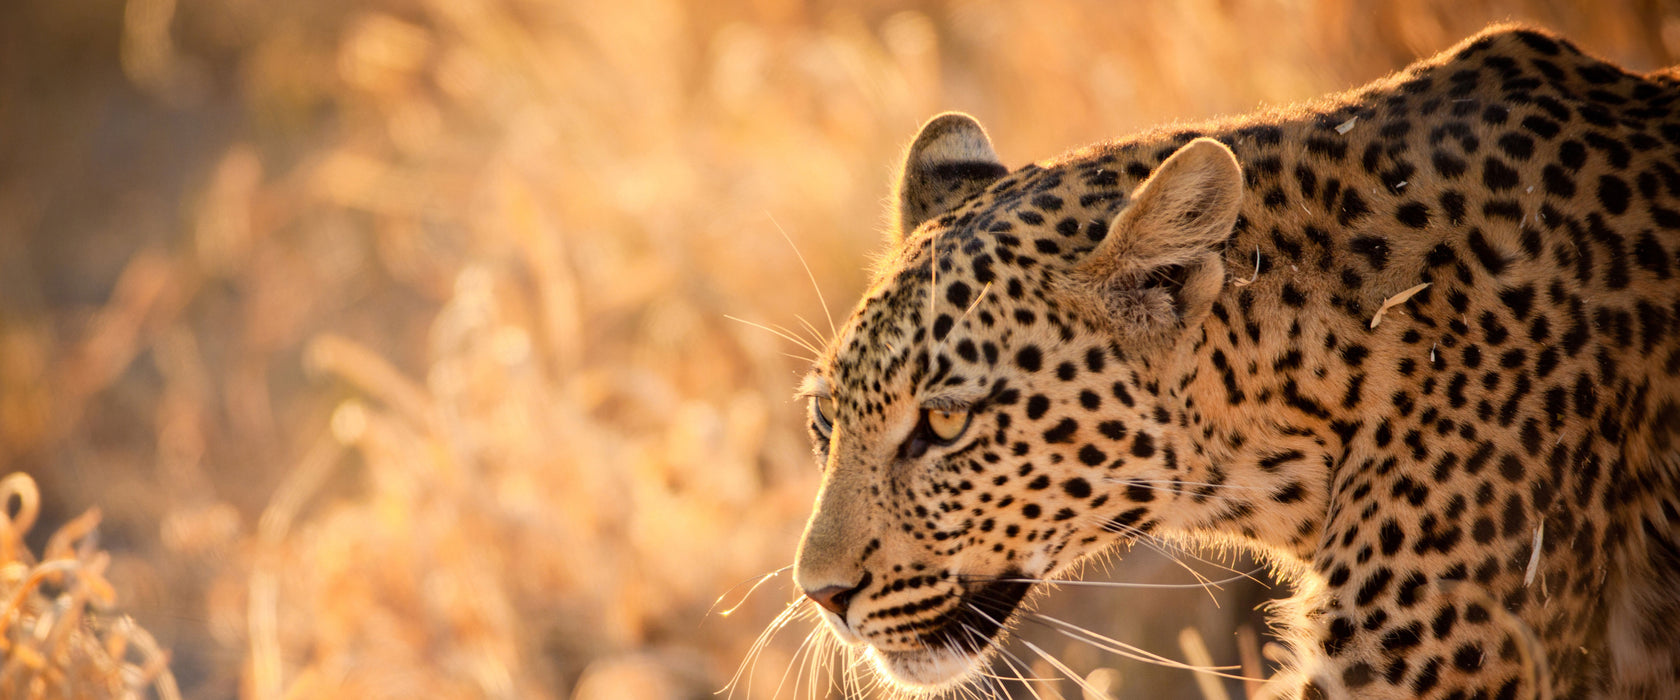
822	411
947	425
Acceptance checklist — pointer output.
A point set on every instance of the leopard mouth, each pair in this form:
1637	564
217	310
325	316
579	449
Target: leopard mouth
956	643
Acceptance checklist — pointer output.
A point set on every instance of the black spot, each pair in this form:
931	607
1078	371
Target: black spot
1374	587
1029	358
1358	675
1063	432
1497	175
1468	658
1048	202
1094	359
1403	638
1541	126
1292	493
1139	492
1276	459
1091	456
1353	208
1519	299
1453	204
1037	405
1066	371
1292	295
942	326
1492	260
1391	537
1374	249
1508	209
1121	393
1557	181
1413	214
1651	256
1613	193
958	294
1340	633
1448	165
1143	446
1077	487
1517	145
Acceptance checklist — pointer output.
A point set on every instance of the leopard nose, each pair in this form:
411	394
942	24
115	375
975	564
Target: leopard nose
835	599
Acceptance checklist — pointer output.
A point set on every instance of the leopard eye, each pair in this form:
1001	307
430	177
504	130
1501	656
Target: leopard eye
822	411
947	425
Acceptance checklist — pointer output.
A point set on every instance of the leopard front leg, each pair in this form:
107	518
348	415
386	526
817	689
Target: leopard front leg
1439	639
1442	598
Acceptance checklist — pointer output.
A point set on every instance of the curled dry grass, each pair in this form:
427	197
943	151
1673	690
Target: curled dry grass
55	638
389	337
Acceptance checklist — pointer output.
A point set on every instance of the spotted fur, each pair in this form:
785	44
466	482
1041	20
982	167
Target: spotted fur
1171	336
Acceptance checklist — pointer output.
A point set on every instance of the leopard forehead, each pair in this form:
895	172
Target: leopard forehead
957	302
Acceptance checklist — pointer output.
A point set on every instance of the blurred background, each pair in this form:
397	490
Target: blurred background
389	337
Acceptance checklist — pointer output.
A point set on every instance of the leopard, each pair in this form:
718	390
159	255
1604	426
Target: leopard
1414	346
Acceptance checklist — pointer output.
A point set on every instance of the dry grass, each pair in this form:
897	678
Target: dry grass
389	336
51	644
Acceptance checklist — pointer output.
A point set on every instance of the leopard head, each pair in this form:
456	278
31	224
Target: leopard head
993	411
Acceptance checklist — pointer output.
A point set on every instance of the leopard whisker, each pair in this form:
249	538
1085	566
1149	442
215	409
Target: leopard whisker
756	582
1157	485
821	665
832	330
1079	680
1127	584
807	343
1011	660
990	680
975	634
793	663
1076	678
1130	651
749	664
1161	544
811	330
1172	552
784	335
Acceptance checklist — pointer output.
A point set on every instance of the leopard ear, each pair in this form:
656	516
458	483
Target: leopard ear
1161	265
950	160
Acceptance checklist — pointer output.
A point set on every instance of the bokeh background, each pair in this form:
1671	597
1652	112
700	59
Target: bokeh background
389	337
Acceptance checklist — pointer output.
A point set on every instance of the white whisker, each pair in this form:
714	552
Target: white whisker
1125	584
816	335
814	286
1172	553
755	584
1076	678
749	664
783	335
1135	653
1010	659
804	648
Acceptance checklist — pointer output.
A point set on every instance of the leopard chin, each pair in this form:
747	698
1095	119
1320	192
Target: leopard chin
930	670
959	642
